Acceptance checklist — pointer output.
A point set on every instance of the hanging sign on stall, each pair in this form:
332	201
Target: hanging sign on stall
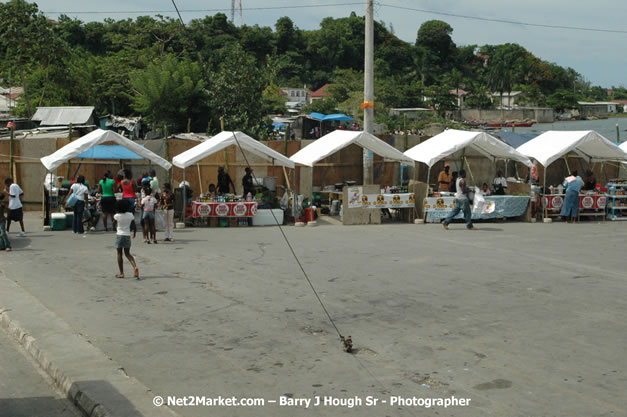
354	197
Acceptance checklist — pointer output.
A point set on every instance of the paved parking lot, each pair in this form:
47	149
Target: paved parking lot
522	319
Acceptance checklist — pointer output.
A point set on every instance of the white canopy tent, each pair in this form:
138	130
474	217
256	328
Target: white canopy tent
223	139
450	141
552	145
97	137
338	139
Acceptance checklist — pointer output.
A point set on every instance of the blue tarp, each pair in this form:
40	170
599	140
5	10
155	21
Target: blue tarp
515	139
108	152
338	117
279	126
317	116
332	117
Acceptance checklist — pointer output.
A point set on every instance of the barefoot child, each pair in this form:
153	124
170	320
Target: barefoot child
125	223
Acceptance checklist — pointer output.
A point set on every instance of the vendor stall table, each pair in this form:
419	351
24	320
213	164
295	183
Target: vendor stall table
224	209
589	205
437	208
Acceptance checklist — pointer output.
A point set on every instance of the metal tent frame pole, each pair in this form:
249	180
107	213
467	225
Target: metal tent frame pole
428	178
184	197
546	212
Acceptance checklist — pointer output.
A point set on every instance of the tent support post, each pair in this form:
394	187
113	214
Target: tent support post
546	212
472	177
184	198
428	177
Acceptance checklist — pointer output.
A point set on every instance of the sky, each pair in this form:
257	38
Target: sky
598	55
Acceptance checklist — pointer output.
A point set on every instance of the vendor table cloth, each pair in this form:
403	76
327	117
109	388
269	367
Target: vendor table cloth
235	209
437	208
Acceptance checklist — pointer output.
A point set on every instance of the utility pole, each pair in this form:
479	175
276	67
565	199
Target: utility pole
368	104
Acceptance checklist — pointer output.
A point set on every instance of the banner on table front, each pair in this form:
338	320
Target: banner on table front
374	201
235	209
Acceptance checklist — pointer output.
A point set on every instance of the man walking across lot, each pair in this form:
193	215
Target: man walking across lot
461	203
15	204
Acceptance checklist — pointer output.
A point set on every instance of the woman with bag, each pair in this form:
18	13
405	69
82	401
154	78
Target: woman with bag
79	194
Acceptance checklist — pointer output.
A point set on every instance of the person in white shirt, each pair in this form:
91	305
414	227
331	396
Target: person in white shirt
154	182
82	196
125	225
499	183
461	203
16	214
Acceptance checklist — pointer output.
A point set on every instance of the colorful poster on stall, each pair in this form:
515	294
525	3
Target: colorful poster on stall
354	197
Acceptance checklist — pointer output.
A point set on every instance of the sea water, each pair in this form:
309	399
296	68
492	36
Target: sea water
605	127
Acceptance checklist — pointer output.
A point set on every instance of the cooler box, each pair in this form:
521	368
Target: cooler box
264	217
57	221
69	218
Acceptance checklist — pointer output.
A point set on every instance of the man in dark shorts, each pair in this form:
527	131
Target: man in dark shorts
16	214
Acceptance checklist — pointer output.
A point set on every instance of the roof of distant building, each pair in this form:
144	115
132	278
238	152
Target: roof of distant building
458	92
62	116
507	94
322	91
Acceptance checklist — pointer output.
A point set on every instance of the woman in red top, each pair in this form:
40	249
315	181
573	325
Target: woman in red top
129	189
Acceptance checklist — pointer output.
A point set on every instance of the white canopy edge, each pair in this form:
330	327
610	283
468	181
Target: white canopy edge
224	139
97	137
590	145
338	139
450	141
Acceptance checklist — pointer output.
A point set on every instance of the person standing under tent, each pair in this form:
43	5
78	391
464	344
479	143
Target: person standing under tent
461	203
129	190
167	203
499	183
590	182
107	201
452	187
444	179
224	182
15	204
570	209
247	182
82	197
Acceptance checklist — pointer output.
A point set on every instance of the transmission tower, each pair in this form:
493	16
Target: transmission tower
236	4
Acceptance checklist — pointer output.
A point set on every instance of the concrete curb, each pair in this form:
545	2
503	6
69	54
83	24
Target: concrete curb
94	383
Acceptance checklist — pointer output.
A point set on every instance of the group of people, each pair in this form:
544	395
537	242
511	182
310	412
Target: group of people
122	211
225	183
10	210
447	182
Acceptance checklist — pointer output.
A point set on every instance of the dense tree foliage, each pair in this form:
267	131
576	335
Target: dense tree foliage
210	70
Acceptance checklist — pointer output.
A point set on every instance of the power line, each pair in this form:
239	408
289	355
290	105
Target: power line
177	12
302	6
308	6
511	22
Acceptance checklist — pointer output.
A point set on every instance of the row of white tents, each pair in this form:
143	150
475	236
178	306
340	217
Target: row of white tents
544	149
